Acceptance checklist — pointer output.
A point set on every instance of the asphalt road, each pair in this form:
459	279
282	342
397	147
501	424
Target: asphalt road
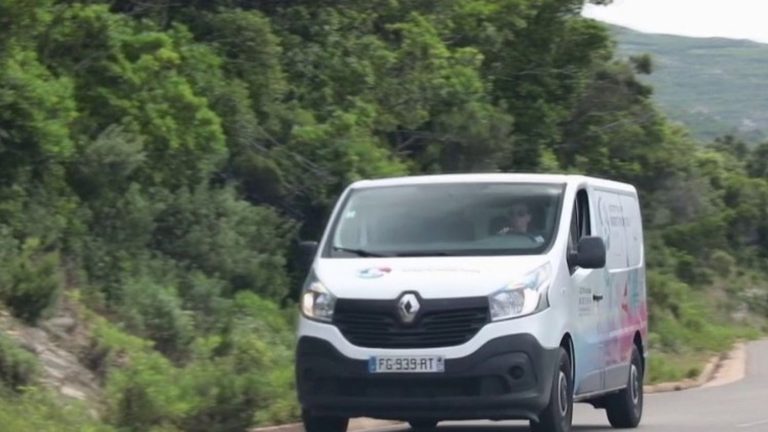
740	407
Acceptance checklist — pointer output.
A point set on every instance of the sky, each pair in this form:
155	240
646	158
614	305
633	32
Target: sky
737	19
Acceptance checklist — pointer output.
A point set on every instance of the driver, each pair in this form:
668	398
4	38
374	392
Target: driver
519	217
517	222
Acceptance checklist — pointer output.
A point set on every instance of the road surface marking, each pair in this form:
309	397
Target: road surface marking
757	423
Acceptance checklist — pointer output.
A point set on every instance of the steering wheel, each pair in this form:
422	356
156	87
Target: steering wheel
508	232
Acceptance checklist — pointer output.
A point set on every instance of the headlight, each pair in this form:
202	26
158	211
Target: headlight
317	302
523	297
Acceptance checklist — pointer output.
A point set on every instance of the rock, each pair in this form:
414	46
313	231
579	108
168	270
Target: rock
56	344
73	393
63	324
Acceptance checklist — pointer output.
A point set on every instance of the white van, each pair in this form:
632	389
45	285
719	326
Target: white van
475	296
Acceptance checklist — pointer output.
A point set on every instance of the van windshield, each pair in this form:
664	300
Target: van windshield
453	219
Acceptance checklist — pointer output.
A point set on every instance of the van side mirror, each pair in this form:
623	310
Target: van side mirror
591	254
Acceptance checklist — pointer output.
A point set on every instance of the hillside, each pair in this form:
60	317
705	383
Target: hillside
714	86
160	161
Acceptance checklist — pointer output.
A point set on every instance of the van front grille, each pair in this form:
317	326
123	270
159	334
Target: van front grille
439	323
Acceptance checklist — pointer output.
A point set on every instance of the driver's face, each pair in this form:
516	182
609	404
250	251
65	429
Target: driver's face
519	217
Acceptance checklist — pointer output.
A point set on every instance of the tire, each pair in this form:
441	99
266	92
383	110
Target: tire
625	408
324	424
423	425
558	415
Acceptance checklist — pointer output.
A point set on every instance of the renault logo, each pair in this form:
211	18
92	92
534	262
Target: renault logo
408	307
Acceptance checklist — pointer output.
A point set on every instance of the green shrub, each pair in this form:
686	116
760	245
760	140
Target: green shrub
154	311
722	263
9	251
245	376
674	367
203	295
214	231
147	392
18	368
660	369
37	410
116	249
31	282
232	380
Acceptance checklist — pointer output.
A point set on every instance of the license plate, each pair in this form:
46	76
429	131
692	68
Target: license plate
406	364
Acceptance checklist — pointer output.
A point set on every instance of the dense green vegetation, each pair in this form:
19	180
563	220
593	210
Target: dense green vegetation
713	86
159	160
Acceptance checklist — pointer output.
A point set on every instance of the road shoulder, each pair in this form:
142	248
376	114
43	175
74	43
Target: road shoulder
722	369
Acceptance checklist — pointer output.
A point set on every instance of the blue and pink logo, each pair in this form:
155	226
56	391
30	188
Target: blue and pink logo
373	272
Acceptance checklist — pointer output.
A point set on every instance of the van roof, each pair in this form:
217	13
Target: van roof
493	178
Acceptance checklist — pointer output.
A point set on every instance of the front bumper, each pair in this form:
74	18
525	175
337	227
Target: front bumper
507	378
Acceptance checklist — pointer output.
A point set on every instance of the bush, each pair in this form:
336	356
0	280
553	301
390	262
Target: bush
36	410
203	295
31	280
722	263
18	368
213	231
154	311
260	343
232	380
245	376
120	230
660	369
147	392
9	251
686	329
672	368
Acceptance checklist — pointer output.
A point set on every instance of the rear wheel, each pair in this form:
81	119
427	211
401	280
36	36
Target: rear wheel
625	408
314	423
423	425
558	414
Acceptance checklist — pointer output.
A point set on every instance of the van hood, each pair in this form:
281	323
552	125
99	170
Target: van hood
441	277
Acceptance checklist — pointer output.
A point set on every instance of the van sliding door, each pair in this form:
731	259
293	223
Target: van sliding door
614	212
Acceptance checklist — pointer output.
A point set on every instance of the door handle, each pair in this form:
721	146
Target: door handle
597	297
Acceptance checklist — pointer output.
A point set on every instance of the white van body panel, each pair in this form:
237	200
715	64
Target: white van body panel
438	277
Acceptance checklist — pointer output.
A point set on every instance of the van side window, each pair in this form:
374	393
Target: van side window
573	237
580	221
585	228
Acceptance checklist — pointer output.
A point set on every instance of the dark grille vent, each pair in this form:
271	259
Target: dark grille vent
440	323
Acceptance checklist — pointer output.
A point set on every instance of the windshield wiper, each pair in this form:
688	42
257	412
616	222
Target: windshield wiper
359	252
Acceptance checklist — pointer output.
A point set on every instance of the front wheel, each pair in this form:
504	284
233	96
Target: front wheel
625	408
314	423
558	415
